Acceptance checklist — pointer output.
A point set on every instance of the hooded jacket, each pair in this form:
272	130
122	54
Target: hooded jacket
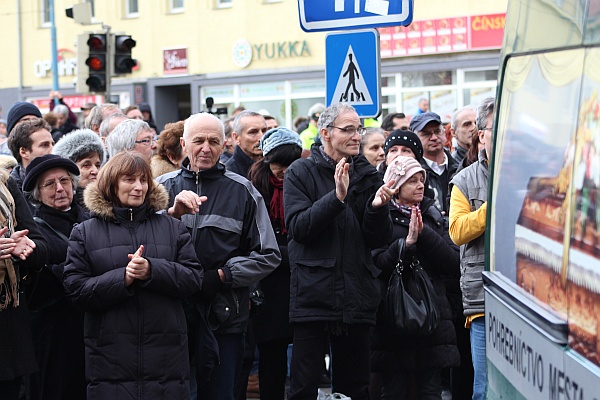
333	277
136	336
232	232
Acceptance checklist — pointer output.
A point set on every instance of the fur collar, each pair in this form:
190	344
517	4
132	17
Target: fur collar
98	205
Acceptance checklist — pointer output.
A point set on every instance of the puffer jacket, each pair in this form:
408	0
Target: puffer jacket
439	257
135	337
333	277
232	232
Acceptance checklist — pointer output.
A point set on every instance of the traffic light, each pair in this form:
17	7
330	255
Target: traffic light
97	46
122	55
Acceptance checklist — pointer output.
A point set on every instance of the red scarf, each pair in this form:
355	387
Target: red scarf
276	205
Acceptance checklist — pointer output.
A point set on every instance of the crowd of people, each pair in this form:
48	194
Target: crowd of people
220	259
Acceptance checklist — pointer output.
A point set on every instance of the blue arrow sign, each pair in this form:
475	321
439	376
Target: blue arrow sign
328	15
352	71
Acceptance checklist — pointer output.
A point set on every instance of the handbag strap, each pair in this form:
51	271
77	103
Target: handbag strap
42	222
401	248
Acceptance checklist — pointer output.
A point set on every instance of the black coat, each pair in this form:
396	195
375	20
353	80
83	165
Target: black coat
271	320
135	337
239	163
16	346
57	326
333	277
440	259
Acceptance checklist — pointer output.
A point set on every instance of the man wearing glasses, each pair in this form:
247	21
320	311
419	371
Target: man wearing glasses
437	161
335	210
132	134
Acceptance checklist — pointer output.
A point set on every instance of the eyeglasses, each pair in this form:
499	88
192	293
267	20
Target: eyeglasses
50	186
350	130
491	128
430	133
145	142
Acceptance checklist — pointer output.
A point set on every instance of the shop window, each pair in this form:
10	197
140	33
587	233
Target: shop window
45	13
224	3
481	75
131	8
432	78
175	6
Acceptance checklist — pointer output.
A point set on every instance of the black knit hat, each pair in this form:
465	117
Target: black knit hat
404	138
42	164
18	111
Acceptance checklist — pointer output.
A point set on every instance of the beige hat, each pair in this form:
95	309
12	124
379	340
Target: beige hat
401	169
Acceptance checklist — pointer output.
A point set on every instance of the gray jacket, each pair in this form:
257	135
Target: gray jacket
473	183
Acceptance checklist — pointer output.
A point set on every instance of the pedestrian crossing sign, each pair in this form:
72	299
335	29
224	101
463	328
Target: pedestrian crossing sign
352	71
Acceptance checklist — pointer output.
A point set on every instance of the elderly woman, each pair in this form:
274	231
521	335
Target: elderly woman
169	153
371	145
86	150
129	268
57	327
270	323
401	359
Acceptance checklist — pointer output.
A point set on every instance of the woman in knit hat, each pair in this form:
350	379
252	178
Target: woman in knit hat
272	331
403	361
85	148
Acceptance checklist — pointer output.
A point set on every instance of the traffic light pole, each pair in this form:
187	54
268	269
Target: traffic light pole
109	62
54	50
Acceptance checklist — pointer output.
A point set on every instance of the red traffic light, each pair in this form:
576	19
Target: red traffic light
96	62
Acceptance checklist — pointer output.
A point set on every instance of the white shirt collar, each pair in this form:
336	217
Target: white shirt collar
437	168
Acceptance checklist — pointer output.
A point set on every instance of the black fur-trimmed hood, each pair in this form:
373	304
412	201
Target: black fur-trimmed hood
98	205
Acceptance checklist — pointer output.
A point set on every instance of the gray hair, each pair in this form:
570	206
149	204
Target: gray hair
372	130
484	110
124	135
203	115
97	115
105	125
61	109
238	126
331	113
453	122
34	194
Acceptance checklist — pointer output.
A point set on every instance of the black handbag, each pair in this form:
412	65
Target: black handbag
411	308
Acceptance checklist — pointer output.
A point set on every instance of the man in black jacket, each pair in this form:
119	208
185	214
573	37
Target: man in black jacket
334	210
233	237
248	129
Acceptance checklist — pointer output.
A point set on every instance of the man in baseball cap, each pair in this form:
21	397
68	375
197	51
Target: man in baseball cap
437	161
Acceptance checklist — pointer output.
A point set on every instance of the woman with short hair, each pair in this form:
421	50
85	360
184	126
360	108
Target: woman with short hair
130	267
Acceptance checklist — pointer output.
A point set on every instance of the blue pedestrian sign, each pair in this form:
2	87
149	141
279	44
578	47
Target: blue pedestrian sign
330	15
352	70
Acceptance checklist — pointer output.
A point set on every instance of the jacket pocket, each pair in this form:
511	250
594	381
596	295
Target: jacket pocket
315	283
471	284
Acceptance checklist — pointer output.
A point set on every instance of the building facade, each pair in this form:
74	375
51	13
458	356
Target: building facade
251	53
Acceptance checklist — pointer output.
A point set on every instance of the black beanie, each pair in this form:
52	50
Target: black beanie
404	138
18	111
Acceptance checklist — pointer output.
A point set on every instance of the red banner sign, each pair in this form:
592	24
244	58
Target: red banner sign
175	61
444	35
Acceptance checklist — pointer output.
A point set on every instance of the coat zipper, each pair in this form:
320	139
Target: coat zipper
197	215
141	317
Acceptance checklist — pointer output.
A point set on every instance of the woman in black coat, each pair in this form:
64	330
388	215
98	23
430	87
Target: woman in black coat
270	320
22	253
56	325
407	361
130	268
